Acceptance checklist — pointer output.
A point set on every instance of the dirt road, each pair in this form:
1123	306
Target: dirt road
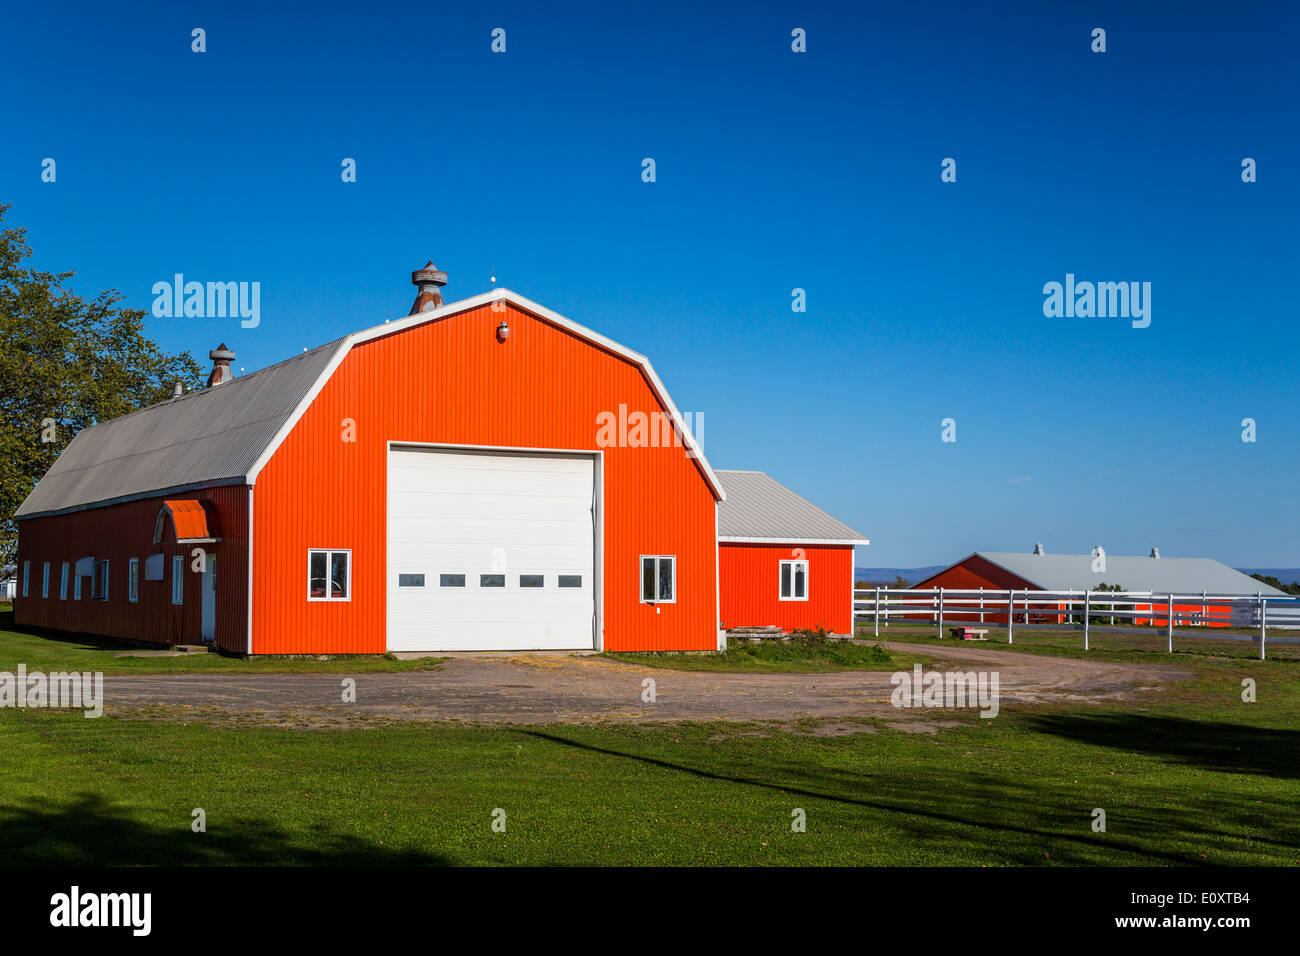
562	688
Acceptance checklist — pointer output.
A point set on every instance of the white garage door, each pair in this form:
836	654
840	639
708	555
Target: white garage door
490	551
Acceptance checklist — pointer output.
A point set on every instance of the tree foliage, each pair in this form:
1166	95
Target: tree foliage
68	362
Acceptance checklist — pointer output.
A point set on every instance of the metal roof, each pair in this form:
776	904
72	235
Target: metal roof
206	437
1063	572
759	508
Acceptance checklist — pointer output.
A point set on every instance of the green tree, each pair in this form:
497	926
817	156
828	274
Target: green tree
1291	587
65	363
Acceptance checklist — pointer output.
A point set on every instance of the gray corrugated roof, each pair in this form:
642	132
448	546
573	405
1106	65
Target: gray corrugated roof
759	507
208	436
1061	572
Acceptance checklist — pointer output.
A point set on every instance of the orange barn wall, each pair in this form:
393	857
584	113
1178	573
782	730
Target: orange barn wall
452	382
749	574
121	532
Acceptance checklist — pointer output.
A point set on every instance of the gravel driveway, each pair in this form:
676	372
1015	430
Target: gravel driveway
565	688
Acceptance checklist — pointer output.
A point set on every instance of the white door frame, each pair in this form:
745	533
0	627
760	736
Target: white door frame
208	598
597	504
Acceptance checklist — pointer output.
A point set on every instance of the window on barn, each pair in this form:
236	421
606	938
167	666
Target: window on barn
99	581
570	580
45	580
451	580
133	581
63	582
531	580
658	579
794	580
76	587
27	574
178	580
329	575
491	580
410	580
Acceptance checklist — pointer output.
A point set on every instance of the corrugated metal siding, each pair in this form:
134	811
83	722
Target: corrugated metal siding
119	533
751	595
452	382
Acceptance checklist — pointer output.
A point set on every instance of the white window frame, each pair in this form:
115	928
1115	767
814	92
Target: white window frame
103	595
45	580
794	564
329	552
133	581
640	578
27	576
178	580
63	582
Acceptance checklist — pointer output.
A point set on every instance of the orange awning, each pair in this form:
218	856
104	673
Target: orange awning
192	521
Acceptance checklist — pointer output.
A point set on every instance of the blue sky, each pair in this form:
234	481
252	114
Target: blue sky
775	170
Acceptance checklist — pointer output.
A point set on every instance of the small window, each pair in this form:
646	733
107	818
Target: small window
570	580
794	581
329	575
178	580
531	581
99	581
658	579
451	580
410	580
491	580
76	586
63	582
133	580
45	580
27	574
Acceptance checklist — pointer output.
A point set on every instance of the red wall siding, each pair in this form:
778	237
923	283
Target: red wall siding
119	533
451	382
973	573
751	595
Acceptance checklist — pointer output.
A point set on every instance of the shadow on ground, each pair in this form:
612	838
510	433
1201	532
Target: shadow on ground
86	831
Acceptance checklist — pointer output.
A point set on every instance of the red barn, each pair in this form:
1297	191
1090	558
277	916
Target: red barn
481	475
1039	571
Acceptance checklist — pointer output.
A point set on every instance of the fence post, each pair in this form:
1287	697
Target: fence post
1263	626
1011	616
981	605
1205	611
1170	622
941	612
1087	606
877	612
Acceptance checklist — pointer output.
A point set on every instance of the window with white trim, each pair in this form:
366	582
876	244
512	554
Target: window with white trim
45	580
794	581
178	579
99	581
133	581
329	574
658	579
27	575
63	582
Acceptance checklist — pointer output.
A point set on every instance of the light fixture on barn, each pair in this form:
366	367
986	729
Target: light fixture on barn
503	331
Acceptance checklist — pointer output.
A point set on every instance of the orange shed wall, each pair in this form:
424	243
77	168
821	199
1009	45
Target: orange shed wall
119	533
451	382
751	587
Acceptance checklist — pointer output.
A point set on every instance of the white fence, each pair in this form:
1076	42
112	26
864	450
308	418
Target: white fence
1077	610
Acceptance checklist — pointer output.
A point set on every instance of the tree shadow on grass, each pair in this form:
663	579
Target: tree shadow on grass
87	831
1208	745
954	815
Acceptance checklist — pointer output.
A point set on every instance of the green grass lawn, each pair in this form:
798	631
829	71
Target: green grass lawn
777	656
54	651
1192	776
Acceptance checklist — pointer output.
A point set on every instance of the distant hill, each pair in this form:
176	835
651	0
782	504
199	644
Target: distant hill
1285	575
889	575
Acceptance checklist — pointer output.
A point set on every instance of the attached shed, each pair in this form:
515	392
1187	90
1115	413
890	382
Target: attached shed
782	561
463	478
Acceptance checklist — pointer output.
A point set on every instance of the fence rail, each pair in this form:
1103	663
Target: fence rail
1077	609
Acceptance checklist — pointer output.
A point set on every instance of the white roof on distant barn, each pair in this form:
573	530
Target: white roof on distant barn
1063	572
759	509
